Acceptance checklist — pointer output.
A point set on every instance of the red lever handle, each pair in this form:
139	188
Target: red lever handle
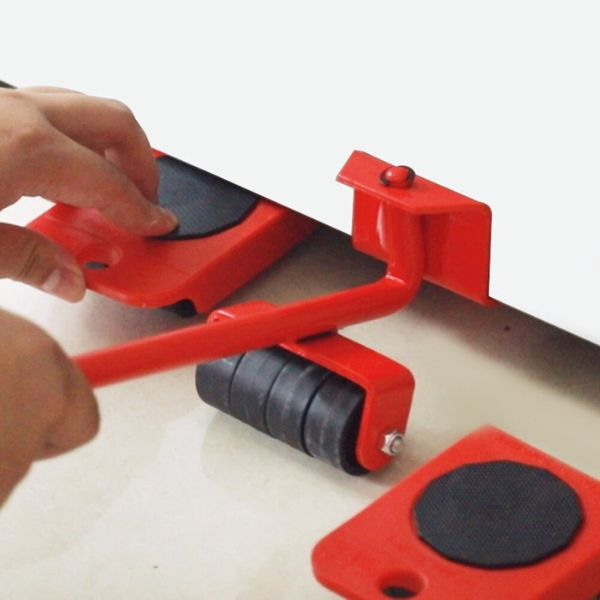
280	324
223	338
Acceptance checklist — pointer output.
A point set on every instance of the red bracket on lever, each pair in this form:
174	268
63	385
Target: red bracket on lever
456	230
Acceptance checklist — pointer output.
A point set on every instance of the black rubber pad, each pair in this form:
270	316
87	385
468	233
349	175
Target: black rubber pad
332	424
3	84
213	380
252	384
498	514
290	398
204	203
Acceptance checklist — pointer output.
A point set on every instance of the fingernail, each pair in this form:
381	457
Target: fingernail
171	217
164	222
67	283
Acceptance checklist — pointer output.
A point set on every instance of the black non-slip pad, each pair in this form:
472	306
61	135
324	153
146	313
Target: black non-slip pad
204	203
498	514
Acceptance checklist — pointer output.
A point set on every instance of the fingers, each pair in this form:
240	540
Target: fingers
80	420
29	257
81	151
46	405
49	89
73	174
9	478
107	126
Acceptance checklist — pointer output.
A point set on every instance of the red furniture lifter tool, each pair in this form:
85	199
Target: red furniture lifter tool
420	229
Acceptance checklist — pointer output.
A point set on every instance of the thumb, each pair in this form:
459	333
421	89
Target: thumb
29	257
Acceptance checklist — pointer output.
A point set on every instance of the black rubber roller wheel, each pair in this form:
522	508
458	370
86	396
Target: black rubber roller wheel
213	380
290	398
252	383
184	309
332	424
239	385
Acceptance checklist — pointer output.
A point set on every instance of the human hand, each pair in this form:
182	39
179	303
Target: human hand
77	150
46	404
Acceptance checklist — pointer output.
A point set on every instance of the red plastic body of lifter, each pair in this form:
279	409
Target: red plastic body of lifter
155	273
421	230
388	385
380	548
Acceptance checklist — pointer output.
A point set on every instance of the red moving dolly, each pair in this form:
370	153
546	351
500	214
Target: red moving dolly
199	264
325	395
490	518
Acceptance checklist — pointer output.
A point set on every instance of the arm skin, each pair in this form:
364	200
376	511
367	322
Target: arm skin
83	151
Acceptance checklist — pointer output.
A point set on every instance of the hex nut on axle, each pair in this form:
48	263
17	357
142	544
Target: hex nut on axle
392	443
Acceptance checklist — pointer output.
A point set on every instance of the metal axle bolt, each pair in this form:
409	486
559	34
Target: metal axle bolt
392	443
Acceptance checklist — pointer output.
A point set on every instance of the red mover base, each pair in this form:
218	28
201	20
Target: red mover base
537	537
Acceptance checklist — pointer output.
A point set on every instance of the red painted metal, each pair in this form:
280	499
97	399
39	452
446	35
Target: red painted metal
388	385
417	227
379	547
456	229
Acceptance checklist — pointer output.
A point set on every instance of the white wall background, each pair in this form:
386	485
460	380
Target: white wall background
496	100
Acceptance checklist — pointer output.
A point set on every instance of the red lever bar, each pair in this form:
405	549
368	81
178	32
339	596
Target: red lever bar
399	235
419	228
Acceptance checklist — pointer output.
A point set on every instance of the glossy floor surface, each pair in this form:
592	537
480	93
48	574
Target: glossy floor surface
173	500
